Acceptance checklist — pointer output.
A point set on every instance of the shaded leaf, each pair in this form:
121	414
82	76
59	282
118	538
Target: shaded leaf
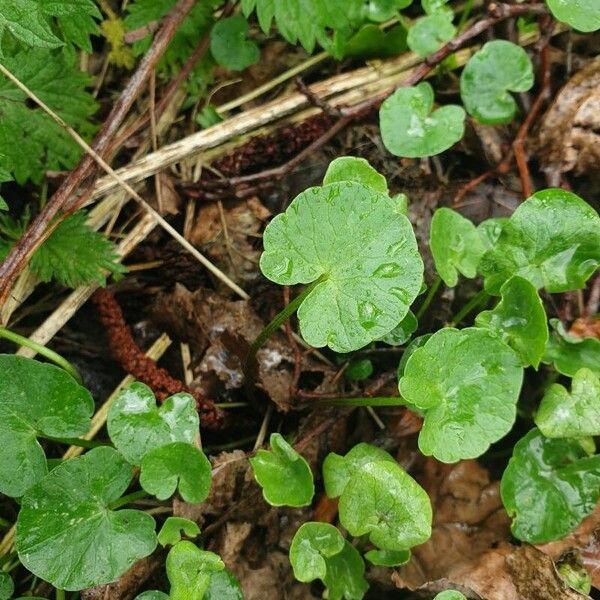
568	353
7	587
66	518
229	44
170	532
382	10
371	42
350	168
388	558
359	370
403	331
344	578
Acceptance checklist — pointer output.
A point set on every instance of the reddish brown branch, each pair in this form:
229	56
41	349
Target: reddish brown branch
133	360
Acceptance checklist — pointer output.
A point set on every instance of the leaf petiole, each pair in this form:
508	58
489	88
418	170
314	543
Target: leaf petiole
433	288
75	441
363	401
128	499
470	306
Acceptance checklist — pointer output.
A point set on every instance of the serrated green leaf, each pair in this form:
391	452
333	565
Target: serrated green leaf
455	244
583	15
338	470
7	587
467	383
75	254
552	240
170	532
362	251
383	501
520	320
571	415
30	139
229	44
285	477
430	33
370	41
176	466
190	570
568	353
350	168
388	558
450	595
344	578
549	487
359	370
66	518
410	128
490	229
137	425
35	399
500	67
223	585
403	331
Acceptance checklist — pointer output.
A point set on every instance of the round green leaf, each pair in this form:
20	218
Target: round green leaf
430	33
136	425
467	383
190	570
450	595
363	253
285	477
552	240
152	595
549	487
571	415
7	587
520	320
433	7
388	558
382	10
177	465
583	15
35	399
359	370
66	532
403	331
223	585
344	578
350	168
569	353
338	470
500	67
410	129
170	532
490	229
229	44
311	546
455	244
385	502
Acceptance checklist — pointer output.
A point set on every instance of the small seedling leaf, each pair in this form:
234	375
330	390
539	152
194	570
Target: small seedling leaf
311	546
552	240
410	128
467	384
571	415
520	320
190	570
363	252
434	7
338	470
344	578
569	353
549	487
430	33
450	595
223	585
176	466
285	477
350	168
455	244
170	532
229	44
7	587
500	67
137	425
402	332
382	10
583	15
66	518
384	502
35	399
359	370
388	558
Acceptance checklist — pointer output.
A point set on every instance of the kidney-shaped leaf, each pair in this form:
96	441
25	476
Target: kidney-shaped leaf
467	384
35	399
500	67
66	532
583	15
362	251
337	470
552	240
345	579
410	129
571	415
569	353
455	244
177	465
430	33
385	502
229	44
520	320
285	477
350	168
170	532
549	487
388	558
136	424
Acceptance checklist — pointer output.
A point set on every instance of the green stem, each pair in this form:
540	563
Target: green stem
433	288
465	15
60	594
74	441
363	401
128	499
471	305
49	354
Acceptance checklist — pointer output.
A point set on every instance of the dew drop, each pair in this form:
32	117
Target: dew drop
395	249
367	314
284	267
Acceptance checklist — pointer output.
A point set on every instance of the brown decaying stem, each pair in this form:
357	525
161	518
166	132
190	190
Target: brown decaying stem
144	369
